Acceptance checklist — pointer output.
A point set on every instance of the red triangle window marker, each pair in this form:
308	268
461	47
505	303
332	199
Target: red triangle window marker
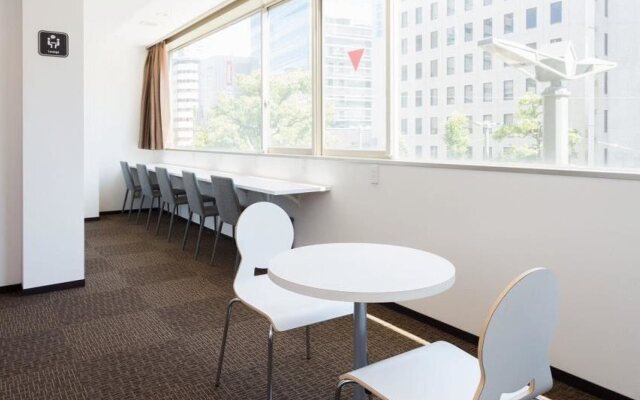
356	57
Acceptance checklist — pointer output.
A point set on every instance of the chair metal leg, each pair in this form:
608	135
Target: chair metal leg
186	230
124	203
195	257
307	330
237	262
224	340
133	197
270	365
215	242
153	201
140	208
340	386
160	216
173	214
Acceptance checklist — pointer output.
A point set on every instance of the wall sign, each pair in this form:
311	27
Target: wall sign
53	44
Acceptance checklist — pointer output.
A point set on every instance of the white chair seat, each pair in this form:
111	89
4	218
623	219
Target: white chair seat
439	371
287	310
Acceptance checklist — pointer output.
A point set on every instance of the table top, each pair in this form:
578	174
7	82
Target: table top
274	187
361	272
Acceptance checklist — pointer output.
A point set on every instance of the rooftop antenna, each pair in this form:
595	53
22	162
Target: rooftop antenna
556	64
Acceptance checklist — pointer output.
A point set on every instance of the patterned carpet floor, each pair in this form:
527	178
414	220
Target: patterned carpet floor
149	322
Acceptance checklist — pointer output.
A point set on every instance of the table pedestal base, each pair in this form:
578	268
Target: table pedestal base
360	345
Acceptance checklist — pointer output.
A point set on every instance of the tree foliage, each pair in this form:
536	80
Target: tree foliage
457	136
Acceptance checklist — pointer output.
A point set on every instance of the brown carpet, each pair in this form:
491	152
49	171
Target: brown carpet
148	325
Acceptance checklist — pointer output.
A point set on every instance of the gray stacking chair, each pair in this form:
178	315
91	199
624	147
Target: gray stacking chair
197	205
133	189
171	197
149	190
229	208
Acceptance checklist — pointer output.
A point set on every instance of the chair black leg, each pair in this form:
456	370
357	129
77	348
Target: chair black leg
341	385
215	242
124	203
173	214
133	197
186	230
153	201
140	208
237	262
270	365
199	237
224	340
160	216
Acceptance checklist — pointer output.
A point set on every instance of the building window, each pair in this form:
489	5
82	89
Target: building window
606	121
487	2
418	15
434	39
606	44
556	12
508	90
532	85
468	94
404	46
606	8
487	61
470	124
418	151
418	71
434	68
418	130
606	83
434	11
451	95
487	27
508	23
468	63
404	19
433	152
404	100
418	43
533	45
433	94
403	126
418	98
468	5
451	7
507	120
487	92
451	65
433	125
532	18
404	74
468	32
556	40
451	36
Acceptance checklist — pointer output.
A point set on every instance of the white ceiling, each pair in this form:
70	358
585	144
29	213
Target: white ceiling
144	22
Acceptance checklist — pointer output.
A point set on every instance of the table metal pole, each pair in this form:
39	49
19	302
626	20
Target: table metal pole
360	355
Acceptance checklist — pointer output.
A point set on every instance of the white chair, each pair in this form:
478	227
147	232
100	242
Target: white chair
263	231
513	355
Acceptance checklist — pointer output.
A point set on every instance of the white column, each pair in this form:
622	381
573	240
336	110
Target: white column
53	137
556	125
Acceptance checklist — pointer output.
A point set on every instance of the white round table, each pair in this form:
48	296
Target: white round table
361	273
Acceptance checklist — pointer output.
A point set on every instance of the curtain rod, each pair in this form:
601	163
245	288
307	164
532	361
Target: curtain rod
219	10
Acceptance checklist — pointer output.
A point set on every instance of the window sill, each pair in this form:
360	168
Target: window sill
508	168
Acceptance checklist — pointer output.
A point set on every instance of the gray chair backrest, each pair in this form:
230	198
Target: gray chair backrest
166	190
226	199
514	348
194	197
145	181
128	177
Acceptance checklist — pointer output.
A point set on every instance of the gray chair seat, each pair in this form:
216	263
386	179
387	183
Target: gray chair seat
181	199
210	211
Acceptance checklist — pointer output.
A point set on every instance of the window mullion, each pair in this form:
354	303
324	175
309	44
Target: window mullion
264	61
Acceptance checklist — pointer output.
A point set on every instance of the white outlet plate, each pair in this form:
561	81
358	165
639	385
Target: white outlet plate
374	174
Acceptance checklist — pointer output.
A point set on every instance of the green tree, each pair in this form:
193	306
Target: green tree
527	124
235	122
457	136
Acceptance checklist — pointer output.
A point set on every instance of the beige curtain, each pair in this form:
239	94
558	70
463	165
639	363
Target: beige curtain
155	122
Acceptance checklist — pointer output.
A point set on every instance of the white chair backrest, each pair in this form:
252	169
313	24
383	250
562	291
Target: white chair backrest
514	348
264	230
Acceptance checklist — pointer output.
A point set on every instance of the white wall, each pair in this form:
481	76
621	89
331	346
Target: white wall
113	87
11	143
492	226
53	137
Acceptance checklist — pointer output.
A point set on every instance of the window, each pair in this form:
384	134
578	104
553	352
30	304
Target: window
556	40
606	44
468	63
433	150
451	36
354	55
433	122
418	126
404	19
487	2
606	8
508	90
418	151
606	83
225	113
468	5
532	18
532	86
451	65
468	32
507	119
468	94
508	23
418	43
451	95
606	121
556	12
418	15
418	71
487	92
488	27
404	73
434	11
404	46
451	7
434	68
434	39
418	98
434	97
404	126
487	61
404	100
